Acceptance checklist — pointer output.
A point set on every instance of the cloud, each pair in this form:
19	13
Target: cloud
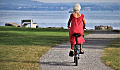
76	1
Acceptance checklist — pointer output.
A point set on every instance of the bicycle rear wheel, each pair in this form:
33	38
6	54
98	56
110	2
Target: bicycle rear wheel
76	55
76	61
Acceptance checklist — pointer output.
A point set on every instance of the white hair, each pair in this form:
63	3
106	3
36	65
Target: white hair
77	8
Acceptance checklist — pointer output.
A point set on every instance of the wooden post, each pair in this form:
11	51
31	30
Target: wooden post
31	22
22	23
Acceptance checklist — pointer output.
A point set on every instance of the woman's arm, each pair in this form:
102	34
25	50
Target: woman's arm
69	21
84	27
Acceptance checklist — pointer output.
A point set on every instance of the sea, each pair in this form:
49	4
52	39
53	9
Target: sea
60	18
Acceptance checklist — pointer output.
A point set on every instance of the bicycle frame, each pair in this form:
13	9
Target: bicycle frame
76	50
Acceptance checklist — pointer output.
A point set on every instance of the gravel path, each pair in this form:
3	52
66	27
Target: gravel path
57	58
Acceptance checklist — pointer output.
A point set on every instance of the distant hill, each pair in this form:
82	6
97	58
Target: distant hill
34	5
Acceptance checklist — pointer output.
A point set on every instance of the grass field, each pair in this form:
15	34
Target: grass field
21	48
111	54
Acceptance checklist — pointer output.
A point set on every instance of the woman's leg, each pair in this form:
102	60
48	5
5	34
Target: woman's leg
81	50
80	47
71	51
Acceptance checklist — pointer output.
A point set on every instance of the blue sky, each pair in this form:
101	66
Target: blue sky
77	1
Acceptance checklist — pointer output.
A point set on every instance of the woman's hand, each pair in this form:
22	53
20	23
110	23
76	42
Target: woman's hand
85	28
69	26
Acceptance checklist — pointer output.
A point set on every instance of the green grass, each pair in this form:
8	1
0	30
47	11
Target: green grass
111	54
21	48
28	36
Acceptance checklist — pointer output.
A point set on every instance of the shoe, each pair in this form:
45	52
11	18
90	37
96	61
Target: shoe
81	52
71	53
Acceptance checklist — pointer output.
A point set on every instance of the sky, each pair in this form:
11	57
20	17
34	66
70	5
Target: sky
69	1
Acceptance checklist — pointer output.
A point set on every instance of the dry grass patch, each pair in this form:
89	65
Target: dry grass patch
21	57
111	54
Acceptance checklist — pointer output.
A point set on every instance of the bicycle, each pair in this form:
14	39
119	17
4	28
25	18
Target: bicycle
76	50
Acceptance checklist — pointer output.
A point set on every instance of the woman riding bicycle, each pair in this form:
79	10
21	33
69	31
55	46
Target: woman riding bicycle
77	26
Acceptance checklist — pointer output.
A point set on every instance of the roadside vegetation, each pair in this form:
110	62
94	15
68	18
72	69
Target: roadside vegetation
111	54
117	31
21	48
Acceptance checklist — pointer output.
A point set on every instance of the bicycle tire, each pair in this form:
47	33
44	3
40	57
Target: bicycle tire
76	61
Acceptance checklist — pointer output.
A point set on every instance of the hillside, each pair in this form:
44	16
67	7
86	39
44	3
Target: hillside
34	5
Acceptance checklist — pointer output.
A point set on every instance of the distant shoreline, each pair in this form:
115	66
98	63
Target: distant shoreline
60	18
58	10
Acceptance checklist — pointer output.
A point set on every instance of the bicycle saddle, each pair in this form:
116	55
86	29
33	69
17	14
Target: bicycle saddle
77	35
